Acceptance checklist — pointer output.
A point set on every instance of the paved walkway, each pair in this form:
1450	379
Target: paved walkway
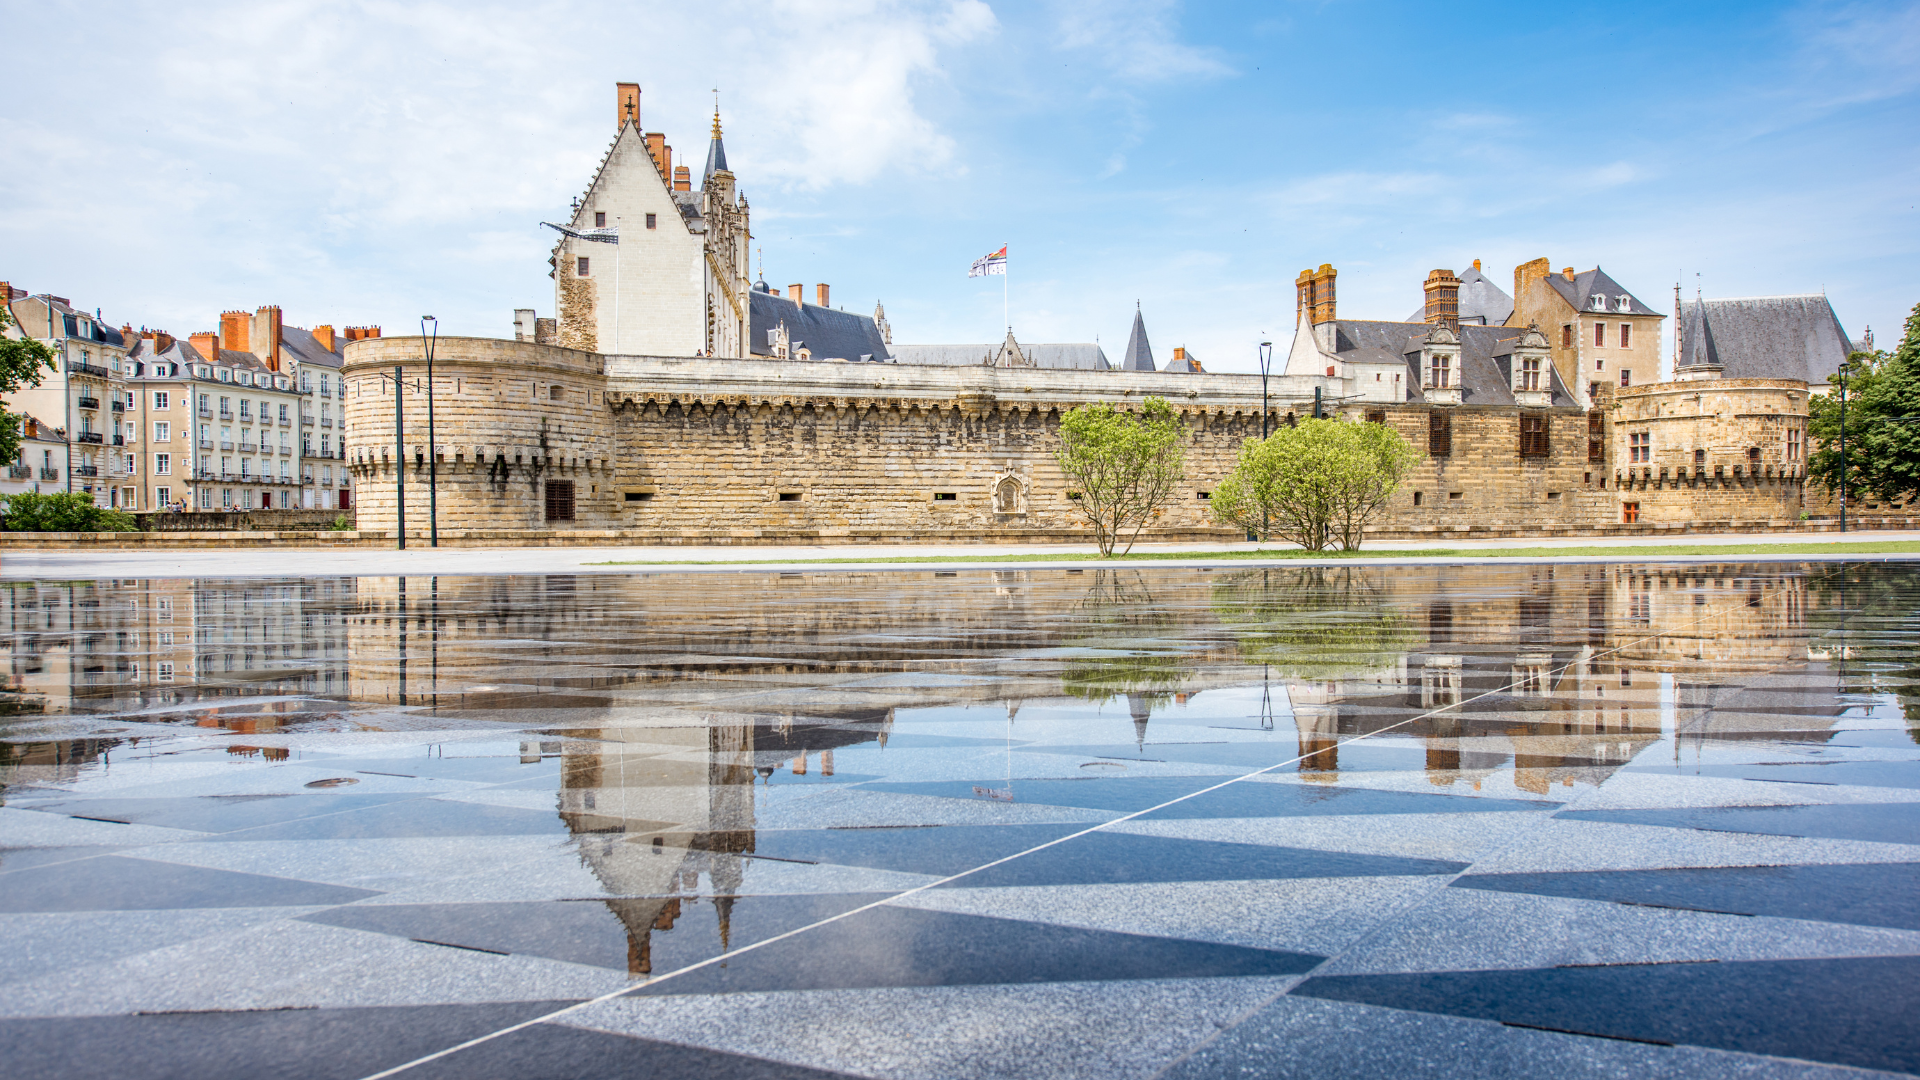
572	560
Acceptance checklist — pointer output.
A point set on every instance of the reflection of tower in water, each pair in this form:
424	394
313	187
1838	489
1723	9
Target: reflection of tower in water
654	809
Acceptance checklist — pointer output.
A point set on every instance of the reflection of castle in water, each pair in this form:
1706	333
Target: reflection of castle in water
654	809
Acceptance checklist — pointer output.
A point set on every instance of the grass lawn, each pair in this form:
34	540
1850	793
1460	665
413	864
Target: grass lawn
1904	547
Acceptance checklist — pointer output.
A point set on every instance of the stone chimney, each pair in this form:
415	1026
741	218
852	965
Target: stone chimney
264	337
234	326
1315	296
1443	299
1524	276
206	343
628	104
1567	273
821	292
524	321
657	150
324	335
682	178
1476	264
794	291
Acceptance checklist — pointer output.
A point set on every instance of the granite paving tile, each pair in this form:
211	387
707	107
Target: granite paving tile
1558	844
44	943
1452	837
559	1052
1866	894
1887	823
1107	857
122	883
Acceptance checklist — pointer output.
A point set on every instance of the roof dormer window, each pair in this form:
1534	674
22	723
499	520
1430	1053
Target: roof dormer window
1597	302
1623	302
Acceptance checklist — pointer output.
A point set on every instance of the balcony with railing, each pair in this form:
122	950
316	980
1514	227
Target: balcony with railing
20	470
77	368
286	451
86	402
206	444
227	445
86	470
119	440
49	474
226	413
118	405
306	419
206	409
90	437
249	448
326	421
205	474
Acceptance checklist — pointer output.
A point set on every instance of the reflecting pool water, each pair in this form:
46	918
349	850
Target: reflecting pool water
1637	819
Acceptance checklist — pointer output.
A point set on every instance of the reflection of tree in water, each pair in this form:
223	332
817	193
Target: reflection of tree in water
1120	617
1866	618
1313	622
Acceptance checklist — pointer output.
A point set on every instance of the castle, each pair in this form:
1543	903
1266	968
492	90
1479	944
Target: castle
672	401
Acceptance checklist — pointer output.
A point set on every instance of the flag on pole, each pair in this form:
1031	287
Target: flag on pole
988	265
608	235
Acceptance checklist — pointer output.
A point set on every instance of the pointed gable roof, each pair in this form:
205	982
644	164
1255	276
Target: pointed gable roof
1579	293
1766	337
1139	354
1480	300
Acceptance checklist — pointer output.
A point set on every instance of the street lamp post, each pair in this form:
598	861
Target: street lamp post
399	462
1843	448
1266	361
433	446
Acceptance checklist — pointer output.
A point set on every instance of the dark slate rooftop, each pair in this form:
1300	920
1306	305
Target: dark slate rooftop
1480	301
1185	364
1080	355
1765	337
825	333
1139	354
302	346
1580	291
1484	377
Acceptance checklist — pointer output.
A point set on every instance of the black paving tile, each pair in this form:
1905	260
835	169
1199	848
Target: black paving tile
12	859
558	1052
414	817
119	883
1865	894
218	813
897	946
940	850
1891	823
273	1044
1855	1012
1250	798
1888	774
1106	858
657	933
1363	756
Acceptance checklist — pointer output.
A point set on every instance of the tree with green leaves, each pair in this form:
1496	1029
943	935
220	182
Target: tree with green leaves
1883	423
67	511
1315	484
1124	463
23	363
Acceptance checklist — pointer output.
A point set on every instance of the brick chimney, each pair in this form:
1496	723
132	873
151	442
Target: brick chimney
657	150
324	335
162	341
1567	273
1179	353
1476	264
794	292
264	336
821	292
628	104
234	326
206	343
1443	299
682	178
1315	295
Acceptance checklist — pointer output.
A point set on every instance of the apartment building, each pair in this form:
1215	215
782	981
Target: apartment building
79	409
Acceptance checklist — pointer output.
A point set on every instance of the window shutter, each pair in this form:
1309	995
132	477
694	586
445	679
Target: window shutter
559	500
1439	433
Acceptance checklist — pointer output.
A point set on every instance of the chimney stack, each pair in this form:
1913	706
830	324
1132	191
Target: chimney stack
233	330
821	292
1443	299
1179	352
657	150
1567	273
206	343
162	341
265	336
1314	299
324	335
793	292
629	104
1524	276
682	178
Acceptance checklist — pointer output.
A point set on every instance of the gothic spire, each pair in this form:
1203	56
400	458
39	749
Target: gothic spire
716	153
1139	354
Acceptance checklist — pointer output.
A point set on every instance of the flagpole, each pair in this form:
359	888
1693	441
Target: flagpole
1004	313
616	292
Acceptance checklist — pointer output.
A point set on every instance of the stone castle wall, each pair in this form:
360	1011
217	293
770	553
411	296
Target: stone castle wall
666	447
1717	449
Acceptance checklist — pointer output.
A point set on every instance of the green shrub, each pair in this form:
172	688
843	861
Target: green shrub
340	524
64	512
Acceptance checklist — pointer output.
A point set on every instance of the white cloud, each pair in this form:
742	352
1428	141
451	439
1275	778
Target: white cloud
1137	41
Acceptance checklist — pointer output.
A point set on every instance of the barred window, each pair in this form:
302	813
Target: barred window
1533	435
1439	433
1376	416
559	500
1596	437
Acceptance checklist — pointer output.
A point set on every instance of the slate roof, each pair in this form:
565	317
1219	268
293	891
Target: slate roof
1186	364
825	333
1581	289
1765	337
1483	376
1079	355
1480	300
300	345
1139	354
716	155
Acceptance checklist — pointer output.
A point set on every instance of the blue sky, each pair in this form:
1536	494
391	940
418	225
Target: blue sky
368	162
